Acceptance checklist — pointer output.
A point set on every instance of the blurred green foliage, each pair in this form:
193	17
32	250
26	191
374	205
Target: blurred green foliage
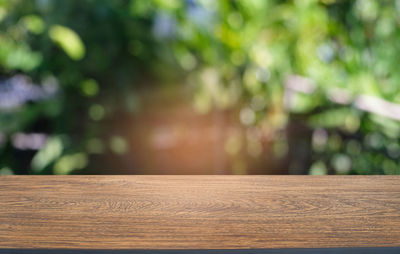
284	63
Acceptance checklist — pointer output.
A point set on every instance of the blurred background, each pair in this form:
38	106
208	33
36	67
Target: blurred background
199	87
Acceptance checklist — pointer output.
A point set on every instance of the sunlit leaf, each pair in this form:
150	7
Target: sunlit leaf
34	23
68	163
68	40
51	151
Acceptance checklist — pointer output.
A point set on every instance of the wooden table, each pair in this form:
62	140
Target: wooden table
199	212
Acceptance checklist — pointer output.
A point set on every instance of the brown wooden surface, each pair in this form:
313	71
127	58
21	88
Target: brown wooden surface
111	212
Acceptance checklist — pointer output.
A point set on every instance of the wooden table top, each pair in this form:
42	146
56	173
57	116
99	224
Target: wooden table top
199	212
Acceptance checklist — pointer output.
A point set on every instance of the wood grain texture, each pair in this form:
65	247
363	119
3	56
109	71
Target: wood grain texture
199	212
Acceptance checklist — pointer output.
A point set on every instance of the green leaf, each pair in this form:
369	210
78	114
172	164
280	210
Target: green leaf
34	24
68	40
51	151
